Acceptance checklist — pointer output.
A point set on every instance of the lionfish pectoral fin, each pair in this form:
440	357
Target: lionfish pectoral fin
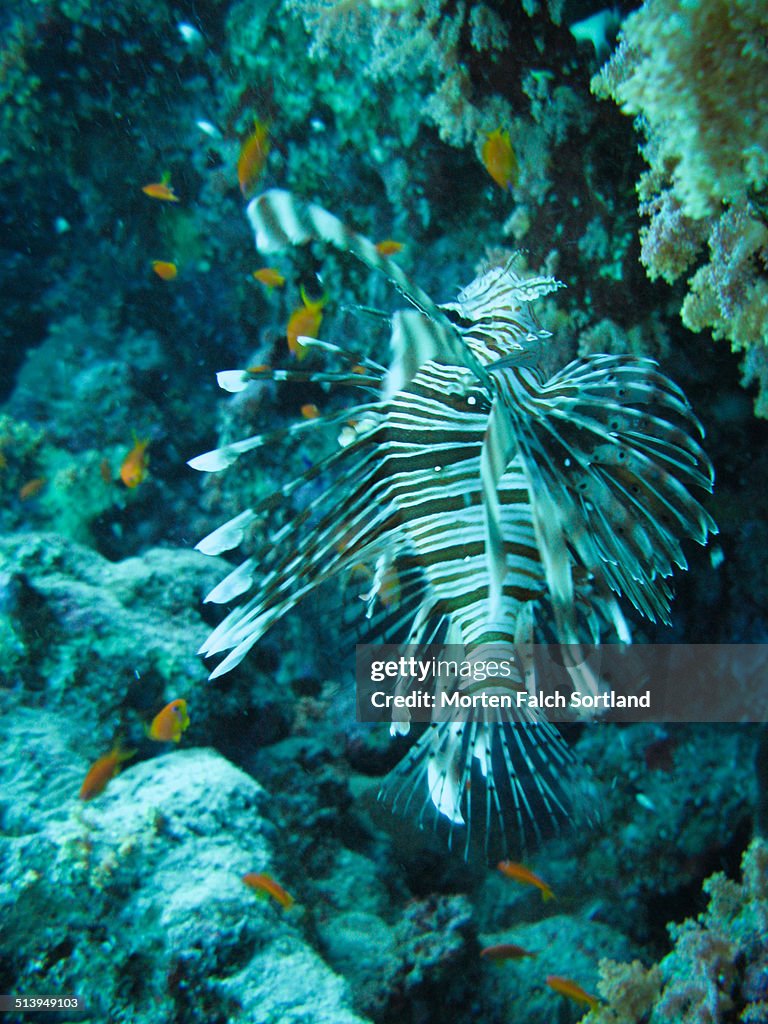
228	536
238	582
222	458
233	381
551	530
609	446
498	444
444	779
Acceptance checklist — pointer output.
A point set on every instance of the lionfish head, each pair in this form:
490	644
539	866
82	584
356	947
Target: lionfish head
494	317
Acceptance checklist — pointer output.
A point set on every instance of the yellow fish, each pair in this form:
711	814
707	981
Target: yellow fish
388	247
305	320
569	988
170	723
499	158
253	156
102	770
270	277
165	271
161	190
134	467
506	951
520	873
265	883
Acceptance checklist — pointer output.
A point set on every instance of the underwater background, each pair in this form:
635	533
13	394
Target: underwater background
623	151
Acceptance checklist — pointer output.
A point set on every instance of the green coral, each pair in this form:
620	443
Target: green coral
696	73
700	81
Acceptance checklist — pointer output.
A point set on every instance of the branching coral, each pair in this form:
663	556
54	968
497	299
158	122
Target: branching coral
697	76
716	971
416	42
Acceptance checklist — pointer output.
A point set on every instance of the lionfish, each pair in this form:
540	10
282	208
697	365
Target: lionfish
502	499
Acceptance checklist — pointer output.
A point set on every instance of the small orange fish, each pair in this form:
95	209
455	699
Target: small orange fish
388	247
270	277
310	411
305	320
134	467
170	723
165	270
520	873
505	951
32	488
569	988
253	156
102	771
499	158
262	883
161	190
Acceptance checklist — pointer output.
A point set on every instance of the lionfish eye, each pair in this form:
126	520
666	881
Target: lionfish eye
456	318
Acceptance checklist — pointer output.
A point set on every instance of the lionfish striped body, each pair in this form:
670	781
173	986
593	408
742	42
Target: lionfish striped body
501	499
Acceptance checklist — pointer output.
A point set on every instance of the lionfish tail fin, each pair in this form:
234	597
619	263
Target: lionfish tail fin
499	787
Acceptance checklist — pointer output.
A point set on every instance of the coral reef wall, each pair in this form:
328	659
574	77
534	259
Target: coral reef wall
695	75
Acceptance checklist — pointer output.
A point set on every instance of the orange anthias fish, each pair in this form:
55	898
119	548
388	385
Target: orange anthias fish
253	156
388	247
310	411
165	270
134	467
505	951
32	488
569	988
263	883
168	724
161	190
305	320
520	873
499	158
270	277
102	771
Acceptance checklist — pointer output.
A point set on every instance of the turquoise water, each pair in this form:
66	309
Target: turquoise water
491	237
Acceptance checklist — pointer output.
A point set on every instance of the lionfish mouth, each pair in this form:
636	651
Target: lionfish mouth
500	502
